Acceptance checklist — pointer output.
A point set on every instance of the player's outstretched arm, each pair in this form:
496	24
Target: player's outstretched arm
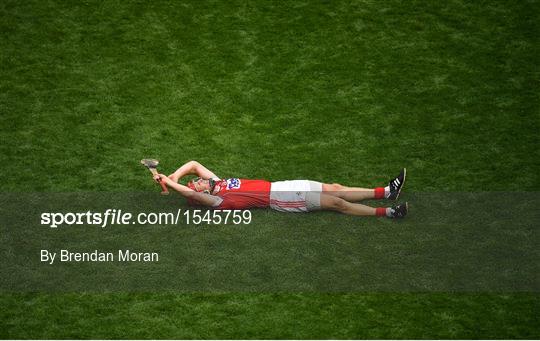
192	167
202	198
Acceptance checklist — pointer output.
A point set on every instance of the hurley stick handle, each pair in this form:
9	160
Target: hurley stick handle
165	190
151	164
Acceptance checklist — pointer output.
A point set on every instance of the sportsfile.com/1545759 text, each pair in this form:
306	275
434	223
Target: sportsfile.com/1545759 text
118	217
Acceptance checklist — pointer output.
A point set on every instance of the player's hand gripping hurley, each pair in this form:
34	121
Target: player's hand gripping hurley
152	164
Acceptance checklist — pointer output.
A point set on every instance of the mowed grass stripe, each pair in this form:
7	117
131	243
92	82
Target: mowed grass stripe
333	92
290	316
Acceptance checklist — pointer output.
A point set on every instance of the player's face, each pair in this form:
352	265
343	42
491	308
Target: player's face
202	185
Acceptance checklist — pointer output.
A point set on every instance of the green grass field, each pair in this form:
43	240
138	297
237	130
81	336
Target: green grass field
334	91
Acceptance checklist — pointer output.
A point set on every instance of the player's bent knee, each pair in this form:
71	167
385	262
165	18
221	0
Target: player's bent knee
329	202
341	205
332	187
338	187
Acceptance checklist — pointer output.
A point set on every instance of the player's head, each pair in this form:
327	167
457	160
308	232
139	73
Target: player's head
202	185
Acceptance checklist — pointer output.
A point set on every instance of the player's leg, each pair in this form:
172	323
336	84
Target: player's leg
330	202
351	194
335	203
354	194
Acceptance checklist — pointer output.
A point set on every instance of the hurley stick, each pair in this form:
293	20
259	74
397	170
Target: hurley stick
152	164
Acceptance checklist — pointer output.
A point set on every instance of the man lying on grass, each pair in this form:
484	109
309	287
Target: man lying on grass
286	196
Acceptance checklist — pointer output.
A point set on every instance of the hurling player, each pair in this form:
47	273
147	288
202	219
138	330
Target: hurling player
286	196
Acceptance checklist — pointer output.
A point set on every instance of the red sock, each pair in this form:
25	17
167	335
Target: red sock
380	211
379	192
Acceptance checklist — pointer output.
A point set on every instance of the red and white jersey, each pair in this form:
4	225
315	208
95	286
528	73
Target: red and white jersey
238	194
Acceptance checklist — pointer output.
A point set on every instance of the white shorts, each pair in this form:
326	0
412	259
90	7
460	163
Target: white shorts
295	195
